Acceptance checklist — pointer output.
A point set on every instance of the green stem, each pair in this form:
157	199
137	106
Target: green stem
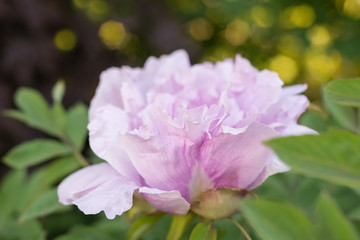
241	228
76	153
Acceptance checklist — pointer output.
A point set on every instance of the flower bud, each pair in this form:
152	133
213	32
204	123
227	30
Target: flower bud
218	203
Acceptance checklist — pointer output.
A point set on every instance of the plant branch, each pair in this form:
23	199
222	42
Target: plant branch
241	228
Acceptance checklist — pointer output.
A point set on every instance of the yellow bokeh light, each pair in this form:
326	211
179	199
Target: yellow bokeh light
290	45
97	10
65	40
321	66
286	67
237	32
218	53
261	16
319	35
113	34
200	29
352	8
80	3
301	16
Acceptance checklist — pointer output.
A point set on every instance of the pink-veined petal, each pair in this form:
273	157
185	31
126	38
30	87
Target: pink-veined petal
237	160
98	188
104	127
166	201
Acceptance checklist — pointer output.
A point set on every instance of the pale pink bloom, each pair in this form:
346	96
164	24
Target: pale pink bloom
172	131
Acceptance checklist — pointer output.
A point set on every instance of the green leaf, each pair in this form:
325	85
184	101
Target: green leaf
342	99
58	169
36	110
34	152
331	224
344	92
43	178
314	120
58	91
178	225
58	115
30	230
277	221
16	115
47	203
141	225
76	124
88	233
204	231
355	214
11	193
333	157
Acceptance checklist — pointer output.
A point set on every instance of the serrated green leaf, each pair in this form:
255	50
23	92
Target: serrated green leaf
58	91
178	225
36	110
75	128
333	157
204	231
277	221
344	92
141	225
331	224
34	152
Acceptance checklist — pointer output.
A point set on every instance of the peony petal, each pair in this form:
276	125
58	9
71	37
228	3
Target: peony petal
116	87
104	127
166	201
237	160
98	188
165	160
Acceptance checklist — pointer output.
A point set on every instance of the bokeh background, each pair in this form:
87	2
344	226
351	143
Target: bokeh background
43	41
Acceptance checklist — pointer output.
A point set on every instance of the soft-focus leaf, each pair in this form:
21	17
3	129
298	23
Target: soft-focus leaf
333	157
342	98
30	230
355	214
47	203
344	92
178	225
204	231
11	193
36	110
314	120
86	233
16	115
34	152
277	221
141	225
58	91
76	124
331	224
58	115
43	178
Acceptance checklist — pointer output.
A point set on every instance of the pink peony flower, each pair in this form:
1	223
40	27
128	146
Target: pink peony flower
172	131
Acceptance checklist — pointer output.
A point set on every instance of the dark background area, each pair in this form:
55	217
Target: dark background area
42	41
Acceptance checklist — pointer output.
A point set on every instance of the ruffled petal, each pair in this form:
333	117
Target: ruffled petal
98	188
166	201
237	160
104	127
